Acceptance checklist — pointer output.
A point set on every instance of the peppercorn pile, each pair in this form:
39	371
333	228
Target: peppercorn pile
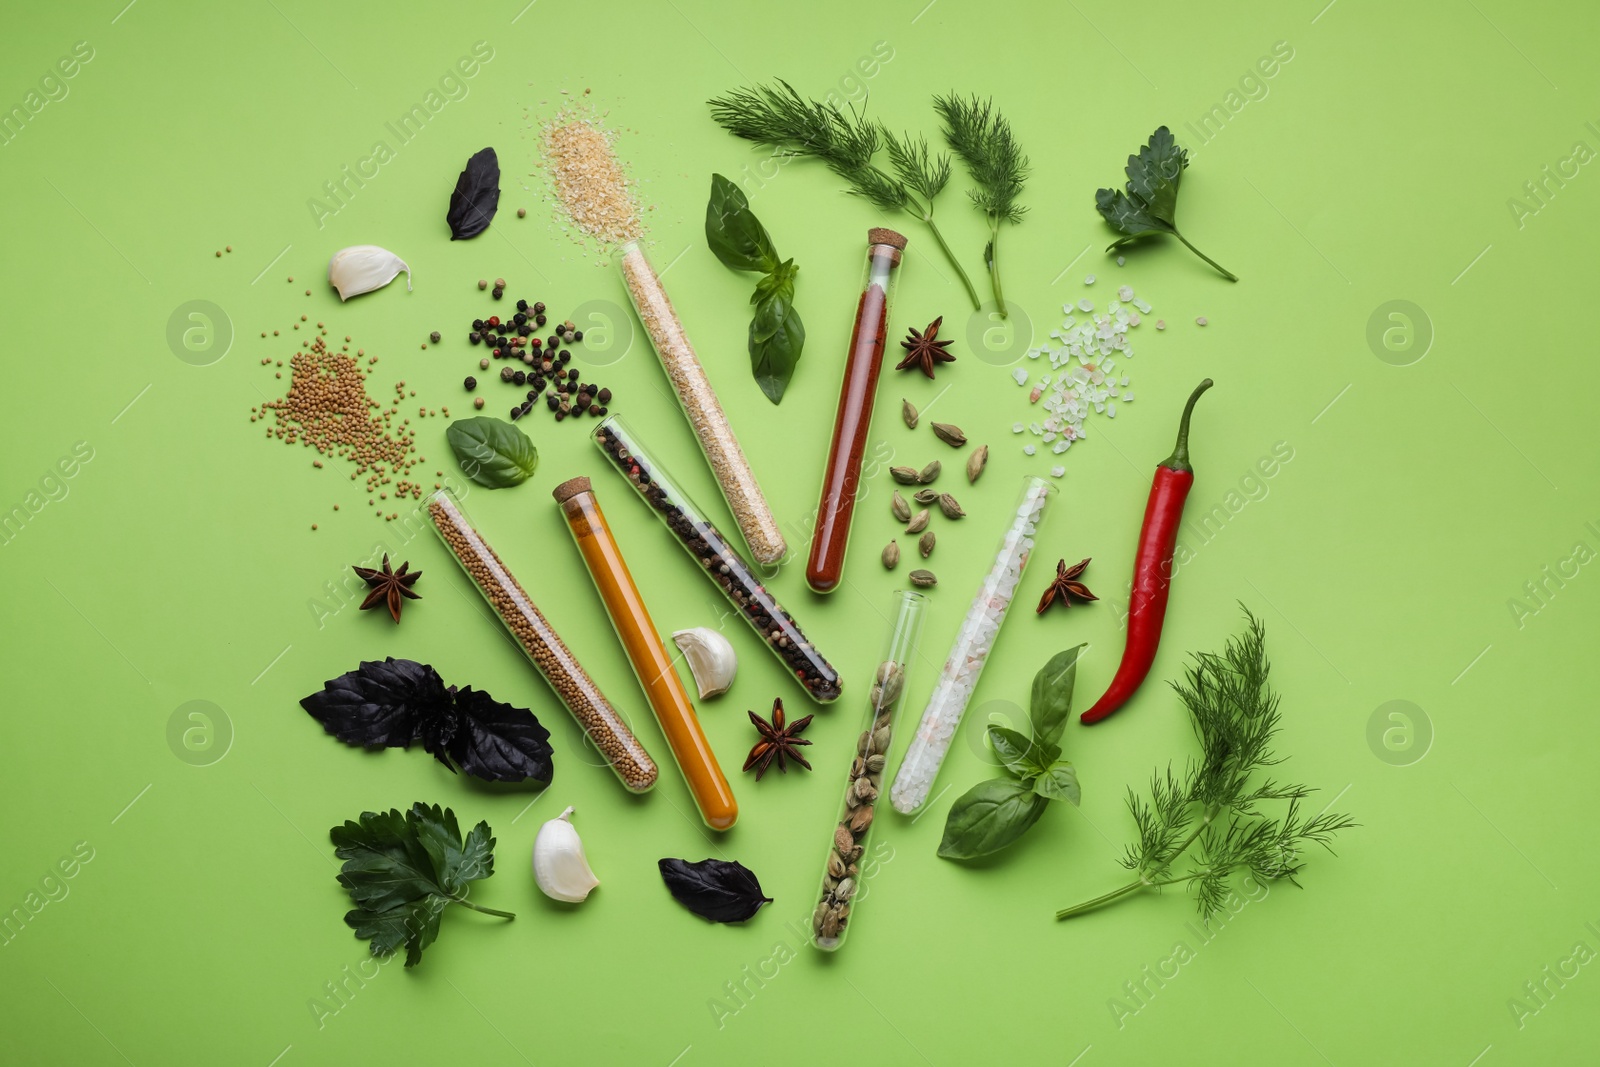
544	370
327	408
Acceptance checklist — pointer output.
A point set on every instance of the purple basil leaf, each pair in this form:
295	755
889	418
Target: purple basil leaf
476	197
498	742
379	705
714	889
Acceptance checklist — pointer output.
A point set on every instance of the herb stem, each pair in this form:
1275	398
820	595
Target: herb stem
1224	271
478	907
1144	881
993	257
949	254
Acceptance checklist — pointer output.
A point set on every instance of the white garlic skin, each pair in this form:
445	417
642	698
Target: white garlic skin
712	660
363	268
559	866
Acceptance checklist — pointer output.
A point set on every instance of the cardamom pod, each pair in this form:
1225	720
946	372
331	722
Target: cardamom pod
860	819
835	865
864	789
951	509
925	544
909	413
843	841
904	475
898	505
846	890
923	579
976	462
888	681
891	555
864	743
929	473
918	523
950	434
874	764
880	742
925	496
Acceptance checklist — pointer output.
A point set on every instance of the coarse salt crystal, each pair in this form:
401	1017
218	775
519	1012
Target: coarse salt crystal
1020	376
1056	472
1086	304
1121	260
1200	321
1161	324
1028	450
1142	305
1016	427
1125	293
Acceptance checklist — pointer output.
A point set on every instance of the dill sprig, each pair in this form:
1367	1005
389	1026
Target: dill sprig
846	142
1213	803
982	138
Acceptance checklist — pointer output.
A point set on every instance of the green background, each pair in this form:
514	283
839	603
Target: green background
1384	557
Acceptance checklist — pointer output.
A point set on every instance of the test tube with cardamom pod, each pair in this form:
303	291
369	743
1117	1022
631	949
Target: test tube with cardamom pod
853	418
646	652
849	863
549	654
700	406
717	559
973	644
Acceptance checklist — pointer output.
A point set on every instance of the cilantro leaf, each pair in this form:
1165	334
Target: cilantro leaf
1150	204
402	871
398	701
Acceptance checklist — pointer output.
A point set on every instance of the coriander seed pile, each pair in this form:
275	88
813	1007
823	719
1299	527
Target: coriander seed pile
589	183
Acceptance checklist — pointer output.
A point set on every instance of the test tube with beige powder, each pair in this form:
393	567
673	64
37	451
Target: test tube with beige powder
700	406
645	650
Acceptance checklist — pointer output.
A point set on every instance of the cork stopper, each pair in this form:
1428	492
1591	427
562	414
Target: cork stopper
569	489
880	235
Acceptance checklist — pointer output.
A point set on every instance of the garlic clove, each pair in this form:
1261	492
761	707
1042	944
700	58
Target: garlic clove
559	866
363	268
711	658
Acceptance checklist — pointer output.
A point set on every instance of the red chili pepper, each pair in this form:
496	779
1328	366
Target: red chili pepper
1152	570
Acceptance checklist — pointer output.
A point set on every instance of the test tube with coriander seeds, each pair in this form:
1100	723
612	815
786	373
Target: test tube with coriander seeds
847	852
853	419
646	652
544	647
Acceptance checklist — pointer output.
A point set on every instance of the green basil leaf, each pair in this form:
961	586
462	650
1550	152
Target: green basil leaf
988	817
1051	705
492	452
1014	751
1058	783
735	235
773	305
772	360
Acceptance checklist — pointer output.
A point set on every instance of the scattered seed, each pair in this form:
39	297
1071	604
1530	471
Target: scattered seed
522	212
925	496
891	555
918	523
898	505
909	413
923	579
950	434
976	462
925	544
904	475
434	336
483	283
951	509
929	473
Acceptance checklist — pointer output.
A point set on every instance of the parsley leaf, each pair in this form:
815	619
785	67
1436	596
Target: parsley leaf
1150	204
402	871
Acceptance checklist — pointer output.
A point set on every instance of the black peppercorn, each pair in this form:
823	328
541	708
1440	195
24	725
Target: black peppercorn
538	307
434	336
539	316
471	383
572	375
524	330
565	358
602	411
522	305
532	395
519	318
550	401
474	337
516	413
560	415
537	383
604	396
577	335
594	409
552	342
497	293
518	377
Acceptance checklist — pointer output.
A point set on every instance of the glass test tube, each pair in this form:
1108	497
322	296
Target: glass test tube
842	878
599	720
700	406
973	643
851	422
651	663
718	559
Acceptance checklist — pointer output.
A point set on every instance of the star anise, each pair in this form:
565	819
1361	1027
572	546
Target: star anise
1066	584
922	351
388	586
778	741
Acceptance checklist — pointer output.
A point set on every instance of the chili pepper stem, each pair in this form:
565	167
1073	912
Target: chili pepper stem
1143	881
1224	271
487	911
1179	460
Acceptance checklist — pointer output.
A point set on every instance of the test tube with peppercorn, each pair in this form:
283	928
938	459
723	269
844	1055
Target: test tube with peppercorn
853	419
